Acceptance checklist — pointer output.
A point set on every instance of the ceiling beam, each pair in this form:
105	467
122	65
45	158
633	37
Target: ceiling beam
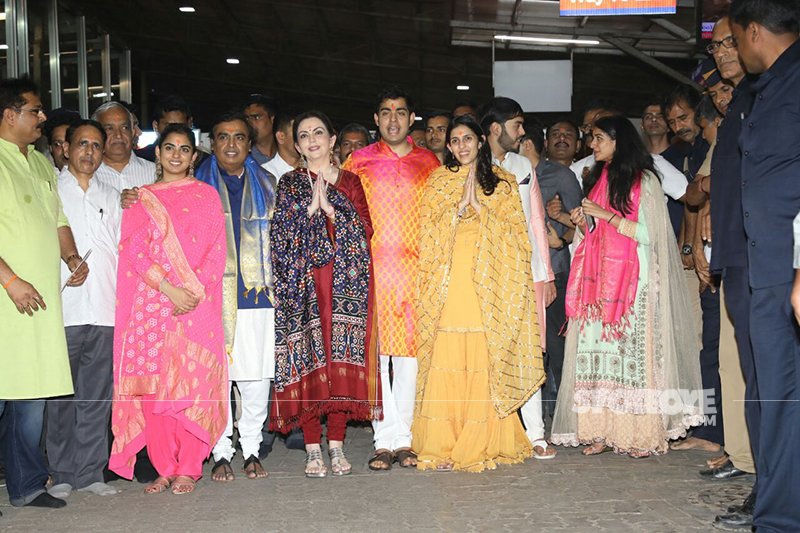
672	28
556	29
588	50
649	60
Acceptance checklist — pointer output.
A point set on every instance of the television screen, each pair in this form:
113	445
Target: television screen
538	86
712	10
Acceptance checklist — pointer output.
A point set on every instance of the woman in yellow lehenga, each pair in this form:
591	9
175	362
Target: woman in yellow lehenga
477	339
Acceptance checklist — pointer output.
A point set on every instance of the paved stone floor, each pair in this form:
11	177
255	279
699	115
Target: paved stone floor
568	493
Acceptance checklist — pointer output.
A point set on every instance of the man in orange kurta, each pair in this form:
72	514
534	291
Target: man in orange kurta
394	172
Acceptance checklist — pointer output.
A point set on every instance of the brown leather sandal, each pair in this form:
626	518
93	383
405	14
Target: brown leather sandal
405	457
381	460
222	471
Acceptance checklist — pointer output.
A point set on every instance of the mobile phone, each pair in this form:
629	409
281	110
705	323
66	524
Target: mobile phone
589	222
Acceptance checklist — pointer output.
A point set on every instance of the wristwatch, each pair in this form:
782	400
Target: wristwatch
687	249
564	244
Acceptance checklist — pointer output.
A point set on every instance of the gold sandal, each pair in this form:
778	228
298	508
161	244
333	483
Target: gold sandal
161	484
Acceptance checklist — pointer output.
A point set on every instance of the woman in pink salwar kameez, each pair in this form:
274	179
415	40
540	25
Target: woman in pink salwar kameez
170	371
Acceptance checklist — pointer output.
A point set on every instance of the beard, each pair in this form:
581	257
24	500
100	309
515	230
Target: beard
508	143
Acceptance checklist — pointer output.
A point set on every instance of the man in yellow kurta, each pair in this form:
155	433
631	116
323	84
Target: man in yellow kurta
34	235
394	172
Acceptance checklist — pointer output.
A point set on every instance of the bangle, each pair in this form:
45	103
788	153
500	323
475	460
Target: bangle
612	217
7	283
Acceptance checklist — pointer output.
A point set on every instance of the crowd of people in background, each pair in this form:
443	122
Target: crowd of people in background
453	285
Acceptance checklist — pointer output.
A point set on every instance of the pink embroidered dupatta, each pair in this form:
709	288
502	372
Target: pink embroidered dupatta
175	232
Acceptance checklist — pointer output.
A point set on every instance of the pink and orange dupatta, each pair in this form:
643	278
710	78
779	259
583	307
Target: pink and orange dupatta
176	231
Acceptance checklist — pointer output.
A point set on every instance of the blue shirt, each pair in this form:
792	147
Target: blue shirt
769	144
727	224
235	185
676	154
258	156
554	178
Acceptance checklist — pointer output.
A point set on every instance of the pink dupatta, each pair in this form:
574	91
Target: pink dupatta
604	275
176	231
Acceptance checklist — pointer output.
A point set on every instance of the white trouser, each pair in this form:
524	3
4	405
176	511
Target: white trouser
394	431
532	417
255	396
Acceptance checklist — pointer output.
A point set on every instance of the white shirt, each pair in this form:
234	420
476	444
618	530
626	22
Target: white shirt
673	180
277	166
95	217
522	169
136	173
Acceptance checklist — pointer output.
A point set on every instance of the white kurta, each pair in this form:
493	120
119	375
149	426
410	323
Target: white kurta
253	354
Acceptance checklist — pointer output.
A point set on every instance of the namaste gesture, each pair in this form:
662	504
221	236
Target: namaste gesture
469	197
319	200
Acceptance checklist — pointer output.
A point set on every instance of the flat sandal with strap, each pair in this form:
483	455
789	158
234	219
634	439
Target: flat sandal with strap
337	462
312	456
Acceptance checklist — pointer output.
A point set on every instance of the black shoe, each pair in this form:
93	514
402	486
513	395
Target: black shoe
45	500
143	470
747	506
109	476
739	520
264	450
734	522
294	441
722	473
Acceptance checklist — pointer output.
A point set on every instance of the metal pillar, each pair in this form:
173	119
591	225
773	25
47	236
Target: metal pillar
55	55
125	87
105	63
83	82
21	15
11	39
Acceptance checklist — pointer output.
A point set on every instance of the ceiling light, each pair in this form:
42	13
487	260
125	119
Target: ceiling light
100	95
462	87
186	9
3	15
545	40
232	61
3	47
418	118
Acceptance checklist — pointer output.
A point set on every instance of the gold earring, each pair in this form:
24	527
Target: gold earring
159	170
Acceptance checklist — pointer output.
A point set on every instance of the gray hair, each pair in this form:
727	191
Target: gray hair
111	105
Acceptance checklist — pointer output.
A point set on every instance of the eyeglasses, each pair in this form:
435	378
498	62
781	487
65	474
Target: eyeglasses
727	42
36	111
